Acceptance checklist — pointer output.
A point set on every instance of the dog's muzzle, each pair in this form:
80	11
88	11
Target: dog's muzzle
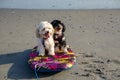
46	35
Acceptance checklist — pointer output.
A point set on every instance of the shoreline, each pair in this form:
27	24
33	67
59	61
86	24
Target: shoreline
67	4
58	9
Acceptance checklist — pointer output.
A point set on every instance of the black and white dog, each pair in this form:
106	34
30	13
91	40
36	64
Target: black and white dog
59	37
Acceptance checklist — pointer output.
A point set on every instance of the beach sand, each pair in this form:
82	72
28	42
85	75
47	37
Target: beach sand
94	36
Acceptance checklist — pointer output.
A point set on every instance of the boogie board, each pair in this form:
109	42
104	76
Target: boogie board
60	61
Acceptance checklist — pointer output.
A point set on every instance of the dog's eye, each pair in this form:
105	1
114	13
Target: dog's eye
43	29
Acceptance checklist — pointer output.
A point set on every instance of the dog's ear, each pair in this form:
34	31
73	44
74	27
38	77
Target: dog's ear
52	29
53	23
64	27
37	33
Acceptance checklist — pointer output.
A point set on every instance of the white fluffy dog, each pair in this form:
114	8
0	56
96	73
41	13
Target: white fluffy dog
44	33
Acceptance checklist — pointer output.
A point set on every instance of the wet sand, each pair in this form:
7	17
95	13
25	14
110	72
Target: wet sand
94	36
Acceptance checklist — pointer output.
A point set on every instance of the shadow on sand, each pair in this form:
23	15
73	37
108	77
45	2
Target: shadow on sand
20	68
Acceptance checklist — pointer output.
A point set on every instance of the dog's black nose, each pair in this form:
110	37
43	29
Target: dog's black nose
47	31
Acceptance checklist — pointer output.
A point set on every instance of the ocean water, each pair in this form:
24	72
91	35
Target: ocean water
60	4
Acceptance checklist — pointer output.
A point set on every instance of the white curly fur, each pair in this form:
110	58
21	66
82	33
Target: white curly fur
45	32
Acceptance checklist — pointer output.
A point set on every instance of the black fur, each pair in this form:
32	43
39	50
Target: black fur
59	38
56	23
60	41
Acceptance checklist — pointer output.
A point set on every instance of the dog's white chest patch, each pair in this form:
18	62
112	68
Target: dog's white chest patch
47	44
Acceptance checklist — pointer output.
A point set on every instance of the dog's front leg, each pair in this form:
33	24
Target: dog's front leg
52	51
41	49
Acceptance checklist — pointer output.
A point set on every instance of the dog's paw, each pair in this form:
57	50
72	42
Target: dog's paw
52	54
41	54
65	50
67	46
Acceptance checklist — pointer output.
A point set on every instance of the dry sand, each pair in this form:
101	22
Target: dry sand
94	35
